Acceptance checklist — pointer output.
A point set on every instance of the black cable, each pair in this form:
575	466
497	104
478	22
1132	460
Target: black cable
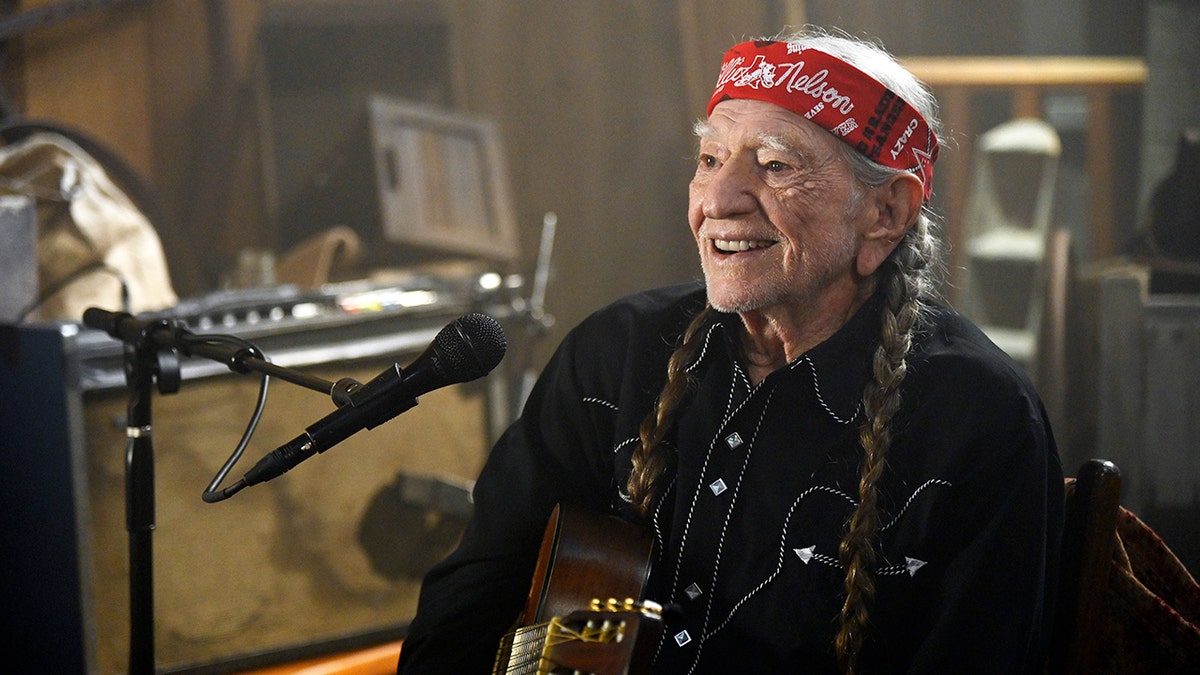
50	291
213	493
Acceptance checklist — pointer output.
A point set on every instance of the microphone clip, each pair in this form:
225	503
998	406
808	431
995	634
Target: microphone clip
342	389
377	399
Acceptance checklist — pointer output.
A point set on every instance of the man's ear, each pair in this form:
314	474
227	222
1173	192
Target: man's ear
896	205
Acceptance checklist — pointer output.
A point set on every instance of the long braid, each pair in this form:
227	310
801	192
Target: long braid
881	400
649	460
907	280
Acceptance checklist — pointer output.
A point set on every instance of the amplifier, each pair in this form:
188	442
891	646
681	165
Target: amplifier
327	556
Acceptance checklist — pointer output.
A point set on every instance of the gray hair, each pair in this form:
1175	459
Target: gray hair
909	280
920	253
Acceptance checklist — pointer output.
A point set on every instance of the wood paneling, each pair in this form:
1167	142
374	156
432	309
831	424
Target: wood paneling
591	100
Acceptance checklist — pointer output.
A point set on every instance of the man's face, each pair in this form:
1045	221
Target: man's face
774	213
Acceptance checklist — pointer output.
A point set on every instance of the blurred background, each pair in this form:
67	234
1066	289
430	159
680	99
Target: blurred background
530	159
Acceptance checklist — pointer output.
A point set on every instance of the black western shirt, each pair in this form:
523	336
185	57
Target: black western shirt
762	483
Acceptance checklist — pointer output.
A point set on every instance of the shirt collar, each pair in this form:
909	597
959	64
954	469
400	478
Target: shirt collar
838	368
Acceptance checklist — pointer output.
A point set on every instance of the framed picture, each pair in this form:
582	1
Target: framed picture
441	178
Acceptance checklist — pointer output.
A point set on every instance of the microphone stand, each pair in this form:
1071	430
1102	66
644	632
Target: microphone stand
143	366
152	355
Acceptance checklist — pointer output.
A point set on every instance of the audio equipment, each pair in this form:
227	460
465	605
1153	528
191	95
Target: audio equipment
326	557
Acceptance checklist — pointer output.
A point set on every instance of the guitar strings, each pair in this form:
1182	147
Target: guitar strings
529	647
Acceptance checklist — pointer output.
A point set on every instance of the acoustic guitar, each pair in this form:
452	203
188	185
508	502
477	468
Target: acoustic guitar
566	627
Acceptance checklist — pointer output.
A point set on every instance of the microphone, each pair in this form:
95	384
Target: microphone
102	319
466	349
127	327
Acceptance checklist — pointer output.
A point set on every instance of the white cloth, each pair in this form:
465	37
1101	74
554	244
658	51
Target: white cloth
100	229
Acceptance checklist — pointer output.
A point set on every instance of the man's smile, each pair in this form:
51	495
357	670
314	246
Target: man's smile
738	245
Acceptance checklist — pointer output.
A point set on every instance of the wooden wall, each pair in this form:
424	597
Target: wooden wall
158	82
594	101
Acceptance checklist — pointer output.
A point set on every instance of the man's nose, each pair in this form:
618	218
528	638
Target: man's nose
730	189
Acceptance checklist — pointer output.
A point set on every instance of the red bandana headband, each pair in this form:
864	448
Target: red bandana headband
835	95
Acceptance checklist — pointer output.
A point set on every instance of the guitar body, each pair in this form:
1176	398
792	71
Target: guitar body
584	556
583	613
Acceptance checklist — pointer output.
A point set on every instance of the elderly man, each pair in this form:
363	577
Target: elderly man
839	473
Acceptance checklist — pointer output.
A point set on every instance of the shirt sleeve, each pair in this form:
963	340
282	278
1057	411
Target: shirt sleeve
551	454
993	604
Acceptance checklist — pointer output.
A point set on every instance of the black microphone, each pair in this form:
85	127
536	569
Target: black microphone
102	319
127	327
466	349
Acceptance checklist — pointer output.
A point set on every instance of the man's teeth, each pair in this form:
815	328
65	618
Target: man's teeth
732	246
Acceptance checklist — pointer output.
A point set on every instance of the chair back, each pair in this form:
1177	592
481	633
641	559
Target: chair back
1089	534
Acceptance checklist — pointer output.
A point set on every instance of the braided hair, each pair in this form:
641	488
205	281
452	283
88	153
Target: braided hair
908	280
904	280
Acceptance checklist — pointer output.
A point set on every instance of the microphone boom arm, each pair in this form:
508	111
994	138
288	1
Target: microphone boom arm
465	349
240	358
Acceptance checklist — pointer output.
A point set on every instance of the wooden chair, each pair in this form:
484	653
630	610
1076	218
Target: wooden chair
1092	505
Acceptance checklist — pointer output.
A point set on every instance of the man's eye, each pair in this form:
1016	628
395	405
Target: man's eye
708	161
775	166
